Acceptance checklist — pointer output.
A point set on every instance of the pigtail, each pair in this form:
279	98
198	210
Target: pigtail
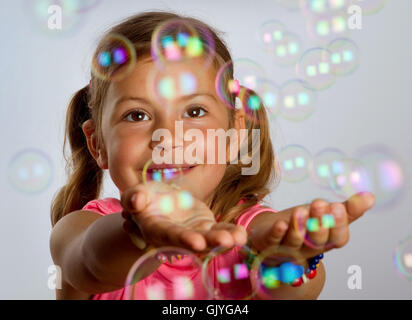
84	175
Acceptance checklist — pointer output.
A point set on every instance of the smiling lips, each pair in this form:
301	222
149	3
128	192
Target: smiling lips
166	172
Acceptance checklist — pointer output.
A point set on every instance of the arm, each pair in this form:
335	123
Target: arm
93	251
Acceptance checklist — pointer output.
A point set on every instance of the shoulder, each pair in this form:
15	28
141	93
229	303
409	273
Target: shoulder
250	213
103	206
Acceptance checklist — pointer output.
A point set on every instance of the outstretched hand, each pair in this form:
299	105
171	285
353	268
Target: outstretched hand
167	216
285	230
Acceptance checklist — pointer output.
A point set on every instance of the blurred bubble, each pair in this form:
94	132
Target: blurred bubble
291	5
326	163
226	273
325	29
169	86
324	7
369	7
30	171
270	34
114	59
246	73
276	266
316	69
287	50
297	102
166	273
349	177
294	162
43	14
178	40
269	93
403	258
384	172
344	56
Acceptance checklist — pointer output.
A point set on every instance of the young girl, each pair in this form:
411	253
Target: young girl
110	125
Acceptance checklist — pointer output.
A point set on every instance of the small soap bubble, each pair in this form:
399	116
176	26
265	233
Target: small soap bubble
30	171
114	59
344	56
325	164
287	50
403	258
178	40
294	161
297	102
226	273
325	29
324	8
316	69
166	273
270	34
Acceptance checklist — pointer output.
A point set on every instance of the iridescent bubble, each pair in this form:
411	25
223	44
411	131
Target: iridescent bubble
274	267
30	171
315	67
271	33
344	56
324	7
226	273
46	14
349	178
294	162
297	102
369	7
246	74
166	273
171	85
178	40
403	258
325	29
325	164
385	174
287	50
114	59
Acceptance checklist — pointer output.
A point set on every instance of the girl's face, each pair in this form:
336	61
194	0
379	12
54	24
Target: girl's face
134	109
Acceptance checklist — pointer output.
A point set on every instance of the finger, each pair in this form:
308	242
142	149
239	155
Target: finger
339	233
317	235
358	204
239	233
295	234
216	237
135	199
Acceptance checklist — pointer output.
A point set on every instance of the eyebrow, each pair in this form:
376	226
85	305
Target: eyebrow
143	100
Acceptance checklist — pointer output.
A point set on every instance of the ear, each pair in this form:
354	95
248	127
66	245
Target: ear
93	144
238	125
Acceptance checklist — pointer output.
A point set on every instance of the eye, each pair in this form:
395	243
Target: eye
136	116
196	112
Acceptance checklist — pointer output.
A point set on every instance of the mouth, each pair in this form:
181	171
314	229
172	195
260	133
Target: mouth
166	172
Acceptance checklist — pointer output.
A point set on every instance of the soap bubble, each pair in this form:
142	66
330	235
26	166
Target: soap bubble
30	171
403	258
344	56
294	161
287	50
316	69
326	163
270	34
324	8
297	102
325	29
226	273
114	59
166	273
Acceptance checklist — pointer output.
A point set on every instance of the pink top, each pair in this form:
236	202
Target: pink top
160	280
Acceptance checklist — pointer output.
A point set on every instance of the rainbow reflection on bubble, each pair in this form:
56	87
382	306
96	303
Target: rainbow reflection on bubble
233	279
178	40
344	56
271	33
297	102
294	163
114	59
287	50
30	171
184	284
316	69
324	8
403	258
326	29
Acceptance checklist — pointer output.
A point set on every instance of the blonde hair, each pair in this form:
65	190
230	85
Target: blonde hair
85	178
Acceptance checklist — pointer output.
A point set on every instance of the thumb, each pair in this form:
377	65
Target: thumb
135	199
358	204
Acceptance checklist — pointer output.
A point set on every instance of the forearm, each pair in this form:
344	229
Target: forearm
108	253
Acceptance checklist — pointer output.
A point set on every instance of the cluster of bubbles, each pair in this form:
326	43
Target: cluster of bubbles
320	67
372	168
293	101
72	14
221	274
30	171
283	45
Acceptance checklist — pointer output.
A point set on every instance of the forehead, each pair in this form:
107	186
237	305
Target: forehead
174	79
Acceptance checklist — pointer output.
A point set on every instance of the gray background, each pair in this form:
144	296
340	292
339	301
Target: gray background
39	73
